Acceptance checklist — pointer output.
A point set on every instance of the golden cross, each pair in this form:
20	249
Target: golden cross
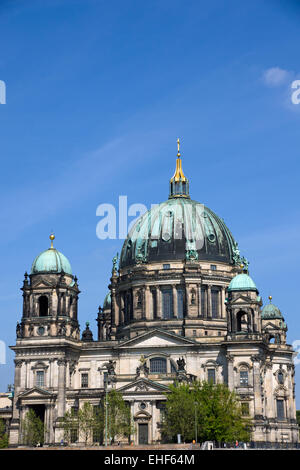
178	146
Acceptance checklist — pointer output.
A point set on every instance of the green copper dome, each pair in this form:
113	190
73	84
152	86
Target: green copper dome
271	311
178	229
51	261
107	301
242	282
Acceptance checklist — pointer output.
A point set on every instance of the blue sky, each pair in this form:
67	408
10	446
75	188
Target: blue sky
97	94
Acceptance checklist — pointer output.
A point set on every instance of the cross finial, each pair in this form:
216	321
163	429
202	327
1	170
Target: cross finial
178	146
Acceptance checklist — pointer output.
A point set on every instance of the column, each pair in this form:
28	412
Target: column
209	301
158	302
199	300
230	371
290	409
256	386
122	306
187	300
50	421
175	302
147	300
61	387
223	306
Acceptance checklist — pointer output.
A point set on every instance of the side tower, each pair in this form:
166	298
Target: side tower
47	342
259	362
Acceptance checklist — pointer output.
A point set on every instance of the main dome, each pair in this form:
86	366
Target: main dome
178	229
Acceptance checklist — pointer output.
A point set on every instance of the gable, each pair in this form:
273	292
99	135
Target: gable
36	392
143	385
241	299
42	284
271	326
156	338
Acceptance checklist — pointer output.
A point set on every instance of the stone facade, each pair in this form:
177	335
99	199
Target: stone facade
175	313
57	370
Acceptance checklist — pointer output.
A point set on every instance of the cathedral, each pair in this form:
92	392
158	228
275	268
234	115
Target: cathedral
181	306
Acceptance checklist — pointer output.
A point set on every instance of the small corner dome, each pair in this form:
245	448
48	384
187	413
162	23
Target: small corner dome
51	261
242	282
107	302
271	311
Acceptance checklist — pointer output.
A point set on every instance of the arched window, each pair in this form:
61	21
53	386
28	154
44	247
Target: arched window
40	378
203	301
211	376
127	307
43	306
242	321
154	309
180	302
280	377
214	303
243	377
167	303
158	365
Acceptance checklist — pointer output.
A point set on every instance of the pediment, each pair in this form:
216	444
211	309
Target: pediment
143	385
156	338
42	284
241	299
271	326
36	392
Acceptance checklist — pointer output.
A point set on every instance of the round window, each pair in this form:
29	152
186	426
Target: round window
41	330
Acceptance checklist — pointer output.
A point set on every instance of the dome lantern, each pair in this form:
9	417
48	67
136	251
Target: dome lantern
179	184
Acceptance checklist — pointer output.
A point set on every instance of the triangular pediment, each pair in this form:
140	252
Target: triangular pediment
36	392
241	299
156	338
271	326
143	385
43	283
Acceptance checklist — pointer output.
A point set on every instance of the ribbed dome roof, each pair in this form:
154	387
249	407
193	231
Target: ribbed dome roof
271	311
107	301
242	282
51	261
178	229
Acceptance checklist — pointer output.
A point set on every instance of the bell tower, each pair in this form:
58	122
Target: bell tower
50	297
243	307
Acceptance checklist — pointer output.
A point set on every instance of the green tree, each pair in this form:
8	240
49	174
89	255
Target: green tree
87	421
3	435
119	419
212	409
84	421
90	419
32	429
69	424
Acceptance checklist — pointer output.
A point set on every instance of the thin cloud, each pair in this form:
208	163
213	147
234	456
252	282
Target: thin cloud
275	76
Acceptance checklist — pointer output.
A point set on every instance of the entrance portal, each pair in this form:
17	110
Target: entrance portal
143	433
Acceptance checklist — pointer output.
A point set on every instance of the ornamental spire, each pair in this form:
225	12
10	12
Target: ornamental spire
52	237
178	146
179	184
